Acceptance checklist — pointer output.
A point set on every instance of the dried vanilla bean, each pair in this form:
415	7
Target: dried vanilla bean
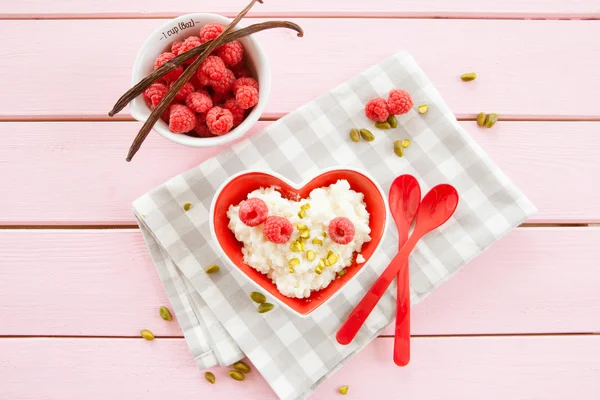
170	65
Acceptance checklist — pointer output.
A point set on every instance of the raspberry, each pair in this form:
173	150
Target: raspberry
399	102
225	85
244	82
203	78
241	71
231	53
246	97
176	46
341	230
172	75
184	92
163	58
254	212
199	101
377	110
188	44
278	229
219	120
181	119
210	31
213	67
201	129
238	112
154	94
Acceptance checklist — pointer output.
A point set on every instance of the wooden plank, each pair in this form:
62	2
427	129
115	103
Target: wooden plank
461	368
48	276
526	283
86	160
78	68
306	8
43	161
103	283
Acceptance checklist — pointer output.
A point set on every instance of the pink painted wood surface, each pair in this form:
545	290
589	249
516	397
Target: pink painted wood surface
78	68
103	283
356	8
43	161
548	368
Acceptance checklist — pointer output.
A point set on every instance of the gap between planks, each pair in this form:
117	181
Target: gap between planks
135	227
465	335
272	118
306	15
69	227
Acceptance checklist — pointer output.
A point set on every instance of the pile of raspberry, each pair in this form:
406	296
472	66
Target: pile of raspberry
217	99
398	102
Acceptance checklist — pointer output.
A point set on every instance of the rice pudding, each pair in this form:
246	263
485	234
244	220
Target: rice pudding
302	245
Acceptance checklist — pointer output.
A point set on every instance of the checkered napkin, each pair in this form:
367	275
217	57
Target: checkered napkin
295	355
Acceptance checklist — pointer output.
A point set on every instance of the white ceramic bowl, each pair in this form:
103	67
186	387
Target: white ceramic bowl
178	29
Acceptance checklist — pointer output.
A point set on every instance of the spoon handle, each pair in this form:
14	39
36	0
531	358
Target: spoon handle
359	315
402	332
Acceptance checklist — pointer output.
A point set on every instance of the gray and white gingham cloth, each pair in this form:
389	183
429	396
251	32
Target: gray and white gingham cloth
295	355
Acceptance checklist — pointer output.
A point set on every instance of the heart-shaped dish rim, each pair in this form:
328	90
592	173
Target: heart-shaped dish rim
250	180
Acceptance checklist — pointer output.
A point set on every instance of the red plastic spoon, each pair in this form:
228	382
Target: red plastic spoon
437	207
404	199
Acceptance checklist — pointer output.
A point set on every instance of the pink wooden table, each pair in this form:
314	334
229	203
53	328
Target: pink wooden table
76	282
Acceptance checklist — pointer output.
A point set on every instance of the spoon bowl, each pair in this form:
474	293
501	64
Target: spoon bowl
404	199
438	205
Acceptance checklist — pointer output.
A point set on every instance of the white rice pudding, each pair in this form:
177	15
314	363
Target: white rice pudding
272	259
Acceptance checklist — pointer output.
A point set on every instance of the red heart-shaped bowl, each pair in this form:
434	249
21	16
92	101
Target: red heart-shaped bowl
237	188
